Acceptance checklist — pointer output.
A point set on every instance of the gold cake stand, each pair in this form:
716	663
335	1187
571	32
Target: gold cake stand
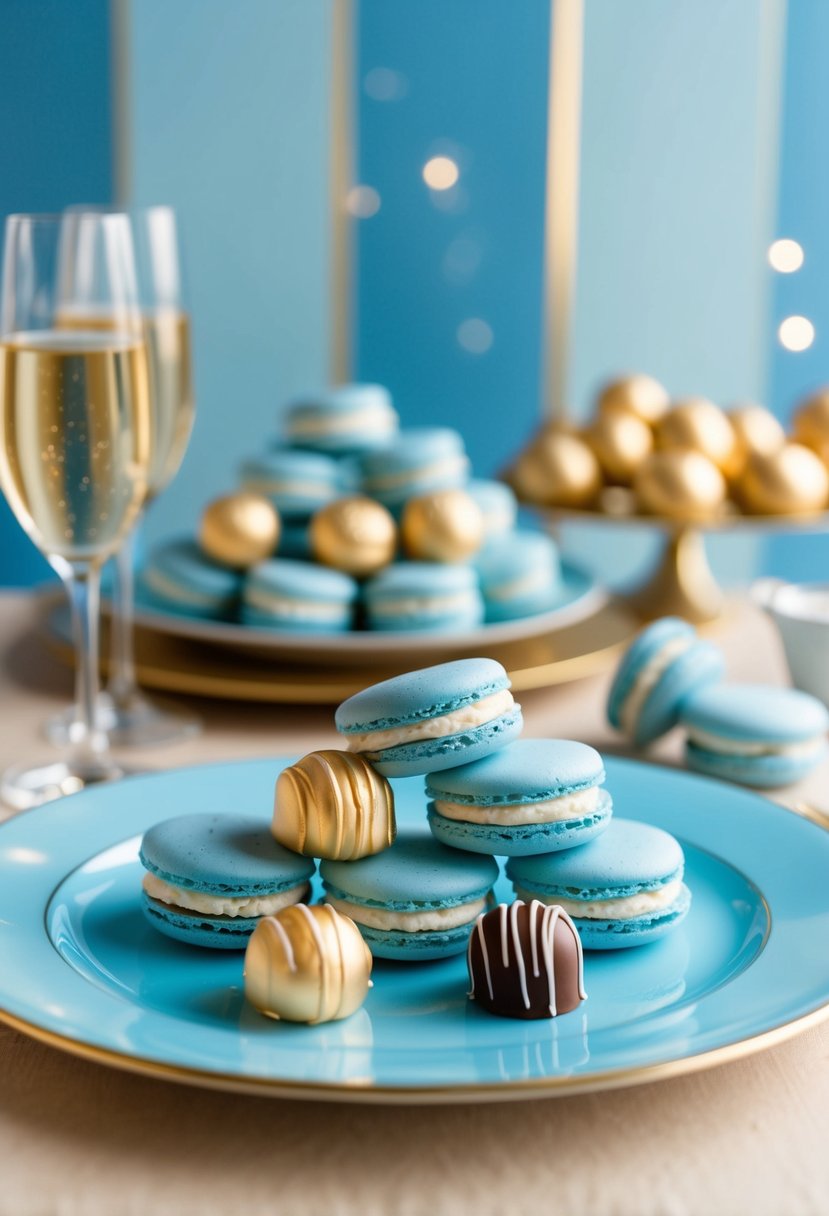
682	582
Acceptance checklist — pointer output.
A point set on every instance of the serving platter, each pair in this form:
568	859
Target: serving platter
84	971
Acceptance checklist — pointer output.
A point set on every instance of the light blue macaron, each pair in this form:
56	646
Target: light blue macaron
497	503
224	857
755	734
505	803
520	575
298	483
432	719
423	596
285	594
418	460
629	861
345	419
178	577
664	665
417	876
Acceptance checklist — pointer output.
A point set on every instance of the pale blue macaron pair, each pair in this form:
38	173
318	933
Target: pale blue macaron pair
665	665
178	577
754	734
624	888
282	593
416	461
348	418
520	575
210	878
432	719
534	796
298	483
497	504
417	900
423	596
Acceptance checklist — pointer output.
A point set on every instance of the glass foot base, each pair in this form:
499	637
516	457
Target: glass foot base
134	722
23	787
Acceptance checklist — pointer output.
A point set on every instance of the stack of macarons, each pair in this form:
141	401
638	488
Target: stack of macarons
752	734
343	444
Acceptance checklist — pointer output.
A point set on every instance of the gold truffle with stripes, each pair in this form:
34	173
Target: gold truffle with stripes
333	804
307	965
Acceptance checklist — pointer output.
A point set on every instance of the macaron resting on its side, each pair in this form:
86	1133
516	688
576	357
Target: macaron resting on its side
753	734
520	575
179	578
416	461
423	595
435	718
622	889
287	594
210	878
348	418
297	483
661	668
534	796
417	900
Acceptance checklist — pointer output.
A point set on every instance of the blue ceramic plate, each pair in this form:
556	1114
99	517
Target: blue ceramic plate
82	970
580	597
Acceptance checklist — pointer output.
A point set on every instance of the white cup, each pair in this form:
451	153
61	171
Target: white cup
801	613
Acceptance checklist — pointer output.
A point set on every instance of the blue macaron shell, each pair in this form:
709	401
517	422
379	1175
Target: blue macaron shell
756	713
196	928
430	755
228	855
386	597
636	930
429	692
497	503
762	771
418	460
178	577
506	563
523	840
349	418
283	593
298	483
643	649
415	947
529	770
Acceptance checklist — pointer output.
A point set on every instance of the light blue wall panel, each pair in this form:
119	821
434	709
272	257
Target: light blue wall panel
228	122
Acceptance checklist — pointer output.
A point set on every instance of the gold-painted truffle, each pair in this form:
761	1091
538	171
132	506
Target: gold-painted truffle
810	425
240	529
680	484
791	481
307	965
621	442
558	469
756	430
701	425
356	534
333	804
444	526
637	394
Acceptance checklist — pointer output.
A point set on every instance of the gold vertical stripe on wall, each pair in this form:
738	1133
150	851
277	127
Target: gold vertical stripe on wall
343	145
561	208
121	103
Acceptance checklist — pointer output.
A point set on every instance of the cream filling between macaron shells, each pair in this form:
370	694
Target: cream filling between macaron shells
478	713
805	748
551	810
643	903
296	609
430	920
378	417
222	905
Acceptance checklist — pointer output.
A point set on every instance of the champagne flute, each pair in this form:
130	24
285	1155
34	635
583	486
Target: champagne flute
75	445
128	717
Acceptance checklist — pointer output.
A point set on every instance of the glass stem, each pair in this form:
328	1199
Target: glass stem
83	583
122	683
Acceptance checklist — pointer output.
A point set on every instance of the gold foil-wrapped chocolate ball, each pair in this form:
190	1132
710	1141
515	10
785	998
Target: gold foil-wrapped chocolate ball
681	484
637	394
791	481
621	442
810	425
756	430
444	526
239	529
356	534
307	965
335	805
700	424
558	469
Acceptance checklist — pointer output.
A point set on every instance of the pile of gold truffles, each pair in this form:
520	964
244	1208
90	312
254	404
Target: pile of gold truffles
687	460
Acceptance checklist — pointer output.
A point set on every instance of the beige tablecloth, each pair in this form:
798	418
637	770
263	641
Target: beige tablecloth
78	1138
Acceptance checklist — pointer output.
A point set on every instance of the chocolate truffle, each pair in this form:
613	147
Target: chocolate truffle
525	961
